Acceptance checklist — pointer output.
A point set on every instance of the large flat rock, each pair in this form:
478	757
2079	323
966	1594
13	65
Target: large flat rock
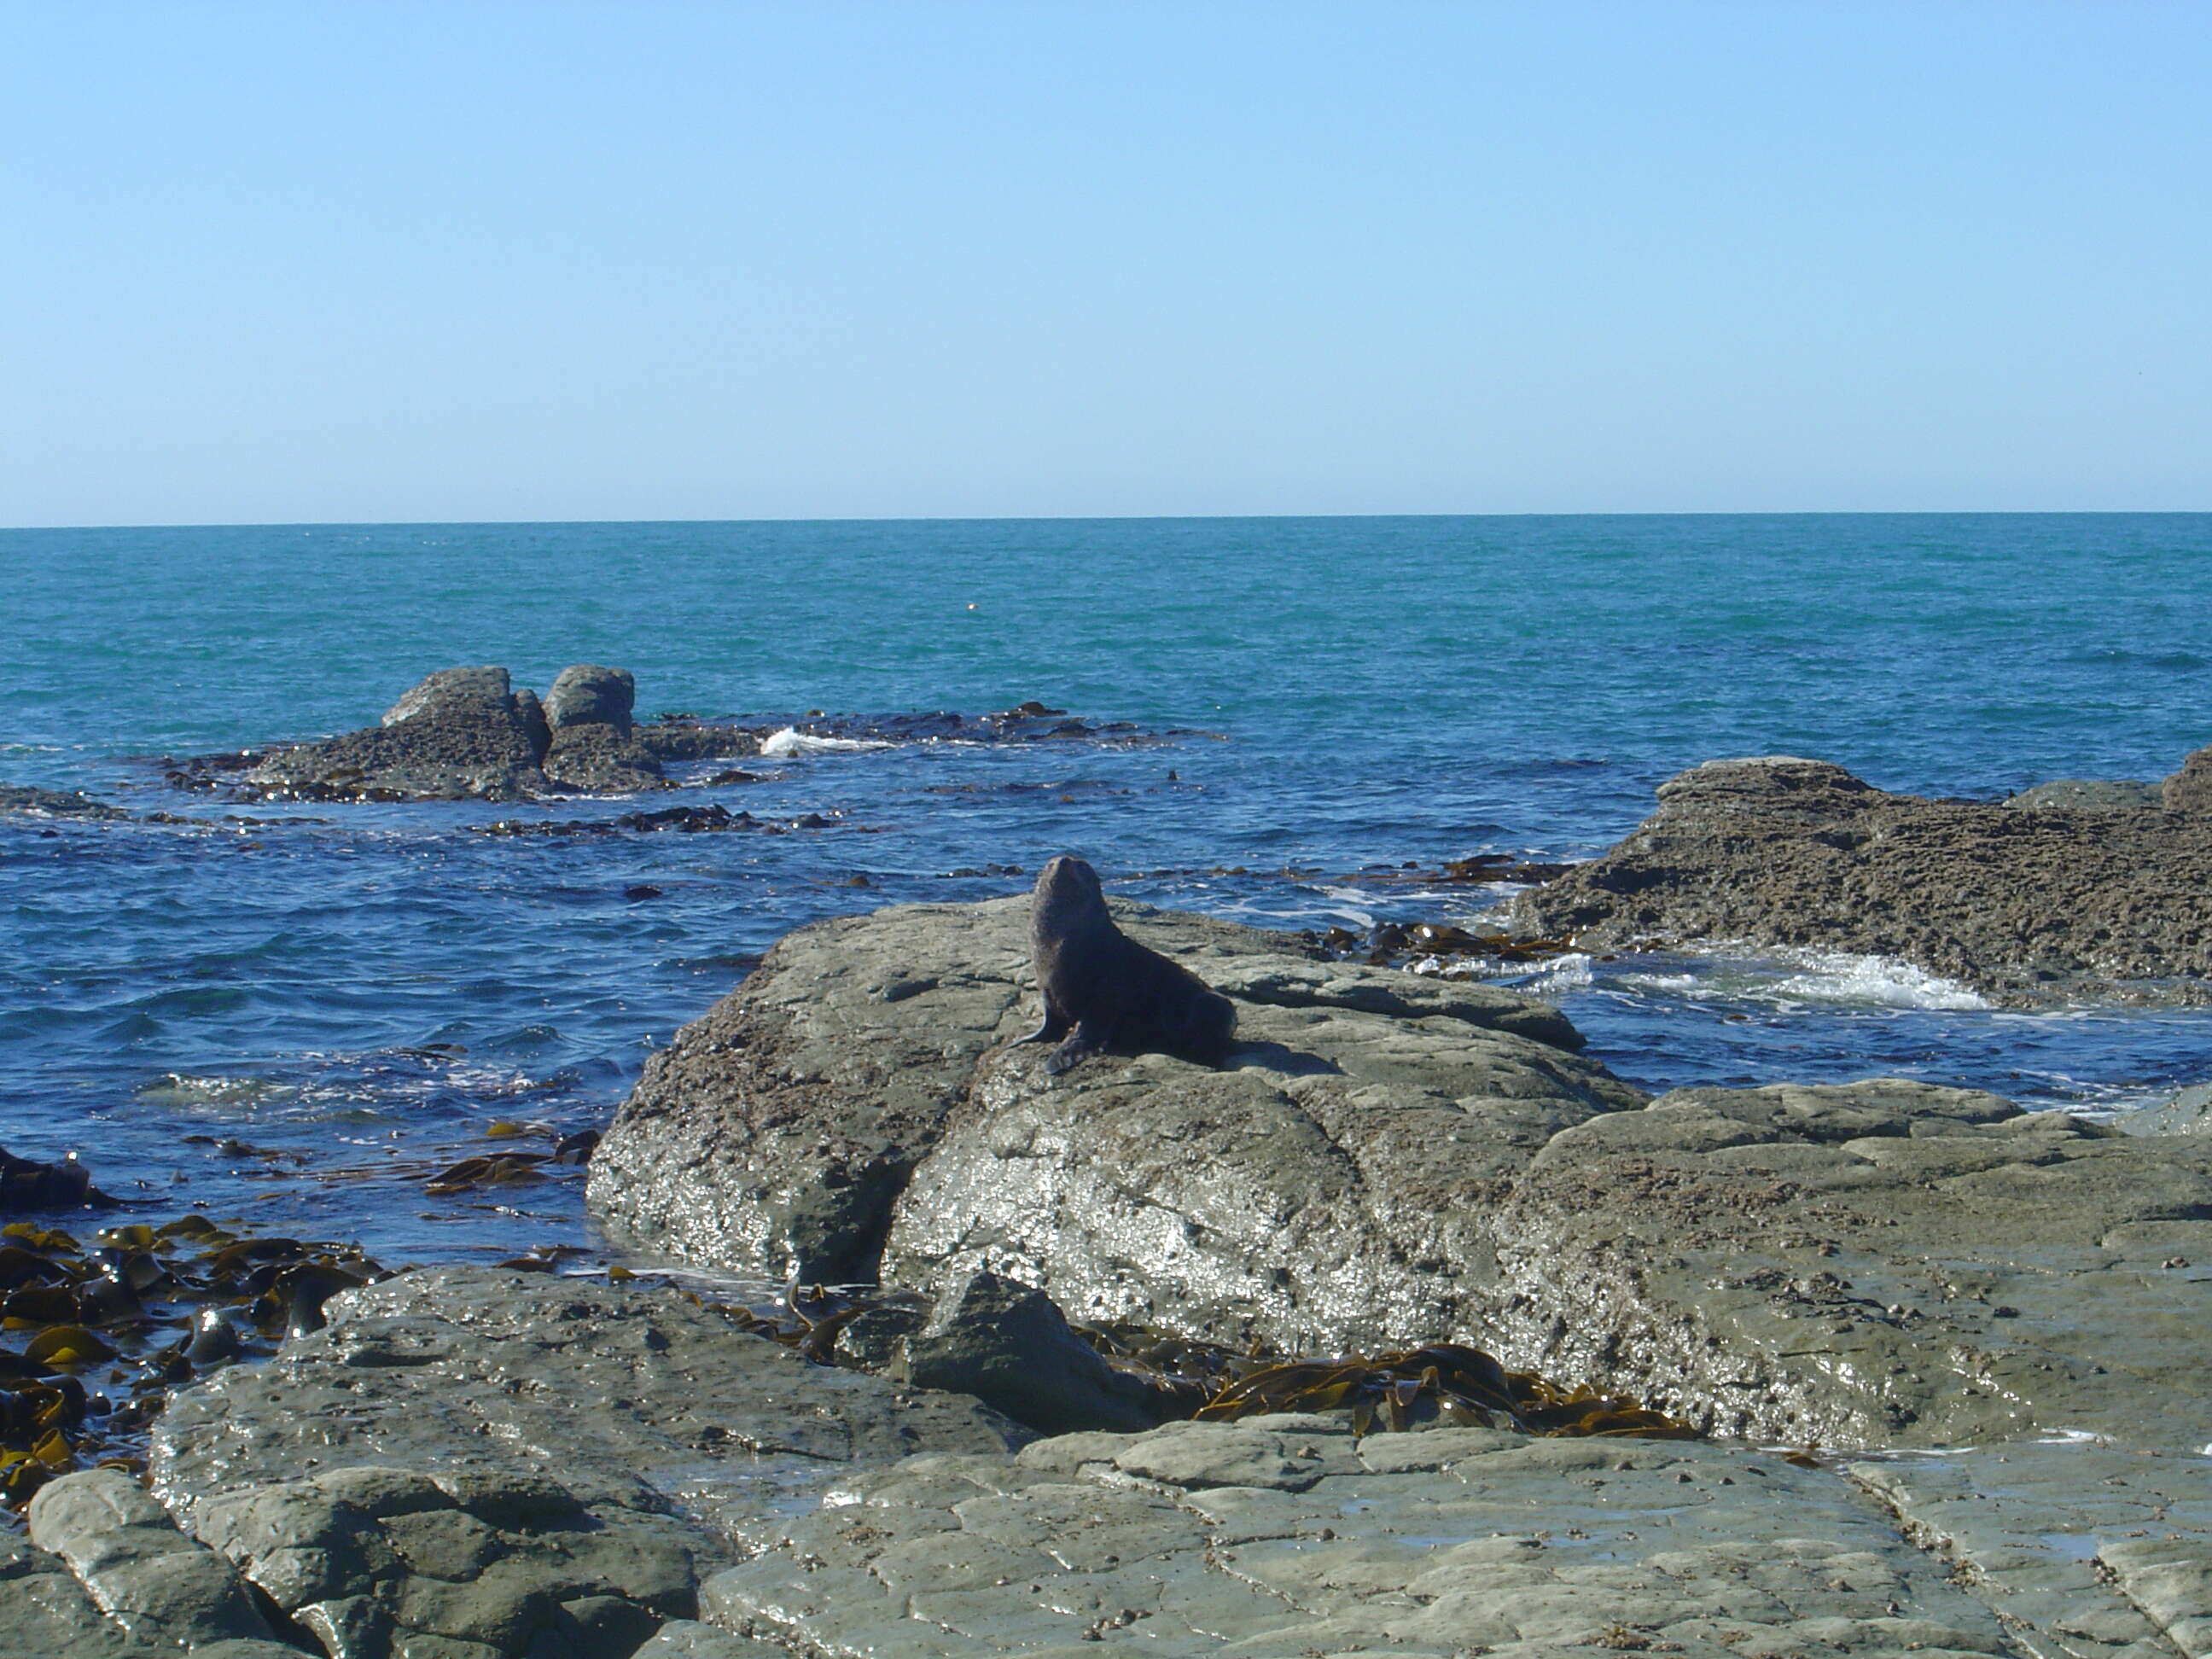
1285	1538
1877	1264
504	1462
857	1107
2027	904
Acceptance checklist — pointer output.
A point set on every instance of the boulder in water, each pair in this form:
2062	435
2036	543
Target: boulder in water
586	694
467	734
594	745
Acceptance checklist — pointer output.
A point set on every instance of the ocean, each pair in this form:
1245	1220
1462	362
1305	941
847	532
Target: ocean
295	1015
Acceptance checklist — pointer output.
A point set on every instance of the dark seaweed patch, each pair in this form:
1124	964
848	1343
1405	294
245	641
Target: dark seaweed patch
94	1334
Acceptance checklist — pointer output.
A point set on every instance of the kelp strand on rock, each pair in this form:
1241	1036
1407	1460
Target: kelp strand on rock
1441	1382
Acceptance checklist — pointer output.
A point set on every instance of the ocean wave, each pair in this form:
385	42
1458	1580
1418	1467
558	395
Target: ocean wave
781	745
1791	976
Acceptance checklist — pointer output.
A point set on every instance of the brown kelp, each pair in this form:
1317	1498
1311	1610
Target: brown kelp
1441	1382
95	1332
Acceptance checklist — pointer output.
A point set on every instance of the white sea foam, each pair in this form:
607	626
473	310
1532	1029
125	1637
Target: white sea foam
1845	977
790	741
228	1094
1571	972
1792	976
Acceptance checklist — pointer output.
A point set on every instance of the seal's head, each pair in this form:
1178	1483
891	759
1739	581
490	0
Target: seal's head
1068	889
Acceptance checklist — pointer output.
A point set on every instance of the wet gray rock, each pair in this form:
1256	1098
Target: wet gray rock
1877	1264
159	1586
1435	1544
2026	904
56	804
857	1105
2189	1113
506	1463
1006	1344
105	1574
2190	790
687	1638
586	694
2088	795
2098	1552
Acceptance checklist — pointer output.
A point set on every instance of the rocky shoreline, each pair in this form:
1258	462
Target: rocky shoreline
1923	1370
469	1462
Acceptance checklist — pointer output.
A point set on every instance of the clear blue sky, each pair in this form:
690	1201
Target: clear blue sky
828	258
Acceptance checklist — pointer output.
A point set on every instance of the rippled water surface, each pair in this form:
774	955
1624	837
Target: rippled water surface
294	1019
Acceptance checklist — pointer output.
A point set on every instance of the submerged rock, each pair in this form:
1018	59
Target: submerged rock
28	1183
2027	904
56	804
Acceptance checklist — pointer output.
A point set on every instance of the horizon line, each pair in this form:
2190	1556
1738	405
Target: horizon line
1132	518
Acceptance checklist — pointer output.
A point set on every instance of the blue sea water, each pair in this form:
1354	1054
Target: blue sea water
354	992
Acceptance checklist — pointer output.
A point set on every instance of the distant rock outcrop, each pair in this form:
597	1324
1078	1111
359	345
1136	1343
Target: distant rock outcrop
465	733
2027	903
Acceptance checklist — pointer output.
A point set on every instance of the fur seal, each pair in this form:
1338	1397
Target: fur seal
1103	990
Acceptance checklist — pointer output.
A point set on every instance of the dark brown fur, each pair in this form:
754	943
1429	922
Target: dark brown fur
1103	990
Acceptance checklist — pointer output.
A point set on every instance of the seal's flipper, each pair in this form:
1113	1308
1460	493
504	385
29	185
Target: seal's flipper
1089	1038
1055	1024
